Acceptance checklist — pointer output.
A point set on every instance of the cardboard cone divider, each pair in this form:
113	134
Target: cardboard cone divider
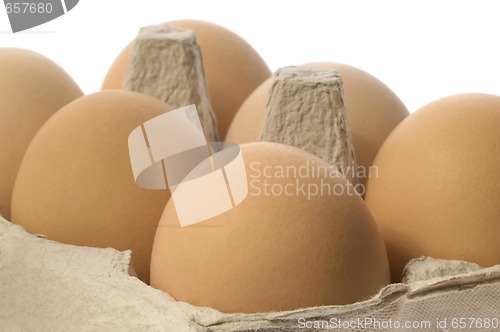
305	109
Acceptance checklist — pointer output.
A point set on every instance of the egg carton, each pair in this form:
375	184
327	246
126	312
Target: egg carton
48	286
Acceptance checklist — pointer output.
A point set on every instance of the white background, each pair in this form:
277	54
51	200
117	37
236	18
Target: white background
423	50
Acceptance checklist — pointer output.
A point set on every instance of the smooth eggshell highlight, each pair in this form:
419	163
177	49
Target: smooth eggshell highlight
437	192
32	89
76	186
272	253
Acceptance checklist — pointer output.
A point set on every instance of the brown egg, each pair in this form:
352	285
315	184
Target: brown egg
438	187
275	250
75	184
32	88
233	68
373	111
247	123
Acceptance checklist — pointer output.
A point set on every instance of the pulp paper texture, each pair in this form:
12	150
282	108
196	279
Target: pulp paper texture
425	268
47	286
305	109
166	63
